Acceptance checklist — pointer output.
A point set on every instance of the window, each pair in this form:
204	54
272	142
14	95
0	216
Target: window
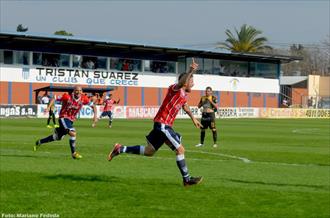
208	66
159	66
22	57
50	60
147	65
101	63
125	64
37	58
266	70
231	68
76	61
181	65
89	62
8	57
219	67
1	56
64	60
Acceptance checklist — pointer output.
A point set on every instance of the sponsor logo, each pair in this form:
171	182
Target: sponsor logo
18	110
234	83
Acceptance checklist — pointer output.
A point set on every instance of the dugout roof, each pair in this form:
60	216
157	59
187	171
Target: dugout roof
70	89
112	48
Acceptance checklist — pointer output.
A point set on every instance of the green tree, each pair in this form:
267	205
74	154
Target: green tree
20	28
246	40
63	33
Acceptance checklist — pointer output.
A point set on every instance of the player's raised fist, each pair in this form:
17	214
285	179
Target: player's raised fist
194	65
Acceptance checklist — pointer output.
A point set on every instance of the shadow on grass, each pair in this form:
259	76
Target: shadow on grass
18	155
321	187
88	178
112	179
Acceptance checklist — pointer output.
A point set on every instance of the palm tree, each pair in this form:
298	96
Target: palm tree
247	40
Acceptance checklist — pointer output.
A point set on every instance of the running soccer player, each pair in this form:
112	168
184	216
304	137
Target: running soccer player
71	105
107	110
208	103
162	132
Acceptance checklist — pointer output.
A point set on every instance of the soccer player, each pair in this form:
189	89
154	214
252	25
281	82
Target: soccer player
108	104
51	115
162	132
71	105
208	103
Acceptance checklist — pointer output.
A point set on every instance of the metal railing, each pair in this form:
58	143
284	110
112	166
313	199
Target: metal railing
317	102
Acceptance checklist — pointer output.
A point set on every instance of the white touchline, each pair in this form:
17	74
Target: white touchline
245	160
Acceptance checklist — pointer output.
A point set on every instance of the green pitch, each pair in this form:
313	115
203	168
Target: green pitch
288	174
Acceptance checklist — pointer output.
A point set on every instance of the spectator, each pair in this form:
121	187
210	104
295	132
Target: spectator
310	102
285	102
222	69
90	64
126	65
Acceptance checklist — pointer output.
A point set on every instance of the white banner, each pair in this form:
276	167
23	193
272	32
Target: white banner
20	110
136	79
124	112
139	112
247	112
236	84
85	112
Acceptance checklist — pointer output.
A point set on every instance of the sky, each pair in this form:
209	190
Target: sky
182	23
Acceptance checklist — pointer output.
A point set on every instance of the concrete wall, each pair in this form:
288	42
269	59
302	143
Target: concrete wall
22	93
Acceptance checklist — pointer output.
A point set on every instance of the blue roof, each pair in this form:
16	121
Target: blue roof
190	49
112	41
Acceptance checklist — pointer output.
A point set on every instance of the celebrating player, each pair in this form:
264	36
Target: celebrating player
108	104
208	103
71	105
162	131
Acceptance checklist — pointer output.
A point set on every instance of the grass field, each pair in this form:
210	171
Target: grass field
288	174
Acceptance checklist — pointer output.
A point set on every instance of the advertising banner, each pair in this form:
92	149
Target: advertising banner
74	76
194	110
294	113
85	112
247	112
149	112
18	110
141	112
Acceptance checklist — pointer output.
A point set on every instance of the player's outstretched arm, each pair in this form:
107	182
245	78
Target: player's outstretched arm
195	121
117	102
185	78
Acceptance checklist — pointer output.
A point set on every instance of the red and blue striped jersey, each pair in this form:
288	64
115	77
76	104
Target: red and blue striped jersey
108	104
71	106
173	102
